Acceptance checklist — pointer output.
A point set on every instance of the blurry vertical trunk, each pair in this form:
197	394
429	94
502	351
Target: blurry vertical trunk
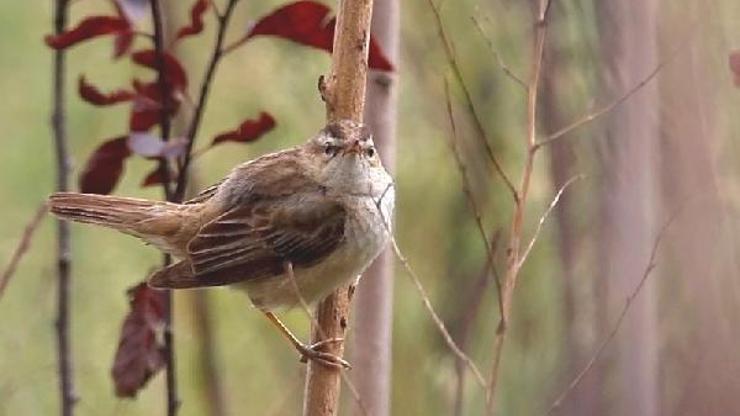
627	30
555	85
707	371
371	354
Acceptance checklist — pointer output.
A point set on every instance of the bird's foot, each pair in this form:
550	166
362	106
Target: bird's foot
313	352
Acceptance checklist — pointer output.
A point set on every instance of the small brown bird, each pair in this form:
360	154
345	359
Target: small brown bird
319	212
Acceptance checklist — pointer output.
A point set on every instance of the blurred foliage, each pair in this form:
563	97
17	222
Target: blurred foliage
260	371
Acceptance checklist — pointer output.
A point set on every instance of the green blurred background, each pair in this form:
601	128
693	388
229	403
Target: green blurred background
259	371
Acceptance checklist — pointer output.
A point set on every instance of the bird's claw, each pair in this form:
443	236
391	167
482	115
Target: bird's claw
313	352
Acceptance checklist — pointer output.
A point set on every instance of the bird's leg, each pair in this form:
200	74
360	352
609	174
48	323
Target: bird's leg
312	351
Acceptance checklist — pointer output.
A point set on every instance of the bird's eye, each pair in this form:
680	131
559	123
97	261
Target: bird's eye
370	152
331	150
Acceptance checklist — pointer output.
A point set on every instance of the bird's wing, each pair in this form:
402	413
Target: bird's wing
283	216
205	194
254	241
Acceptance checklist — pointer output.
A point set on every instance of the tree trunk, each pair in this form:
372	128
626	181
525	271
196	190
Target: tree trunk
706	369
373	323
344	93
629	52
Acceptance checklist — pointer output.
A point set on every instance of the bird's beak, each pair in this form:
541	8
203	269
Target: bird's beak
353	148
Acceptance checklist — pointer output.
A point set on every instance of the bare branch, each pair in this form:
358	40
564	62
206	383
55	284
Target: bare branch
591	116
22	247
437	320
63	239
504	67
469	195
513	260
482	137
173	401
545	215
217	54
628	303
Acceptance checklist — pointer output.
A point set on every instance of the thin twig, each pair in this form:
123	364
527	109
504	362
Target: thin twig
467	189
517	222
500	61
173	401
59	127
591	116
437	320
482	137
545	215
628	303
312	318
200	107
472	308
22	247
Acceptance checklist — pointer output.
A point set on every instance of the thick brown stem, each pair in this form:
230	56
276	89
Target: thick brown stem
344	92
58	121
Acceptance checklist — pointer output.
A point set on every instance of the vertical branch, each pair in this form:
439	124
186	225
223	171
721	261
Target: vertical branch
513	260
58	122
173	402
374	297
344	93
200	107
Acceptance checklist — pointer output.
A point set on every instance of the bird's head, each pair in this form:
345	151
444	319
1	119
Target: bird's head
345	153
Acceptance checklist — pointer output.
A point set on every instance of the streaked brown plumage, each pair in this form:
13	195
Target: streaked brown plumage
323	207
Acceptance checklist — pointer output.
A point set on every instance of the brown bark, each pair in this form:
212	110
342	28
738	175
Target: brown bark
344	92
373	323
629	51
59	127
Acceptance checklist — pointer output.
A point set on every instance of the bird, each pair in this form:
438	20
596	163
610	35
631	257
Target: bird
287	227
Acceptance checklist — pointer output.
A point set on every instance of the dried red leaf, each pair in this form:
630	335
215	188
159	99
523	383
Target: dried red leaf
147	109
174	72
196	19
140	348
734	62
308	23
104	167
153	178
122	44
92	94
87	29
250	130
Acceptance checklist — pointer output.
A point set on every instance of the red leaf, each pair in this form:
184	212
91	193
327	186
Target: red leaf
146	111
248	131
174	72
306	22
734	61
122	44
87	29
140	349
104	167
153	178
196	19
92	94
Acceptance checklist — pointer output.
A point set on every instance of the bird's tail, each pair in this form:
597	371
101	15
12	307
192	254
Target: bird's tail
138	217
